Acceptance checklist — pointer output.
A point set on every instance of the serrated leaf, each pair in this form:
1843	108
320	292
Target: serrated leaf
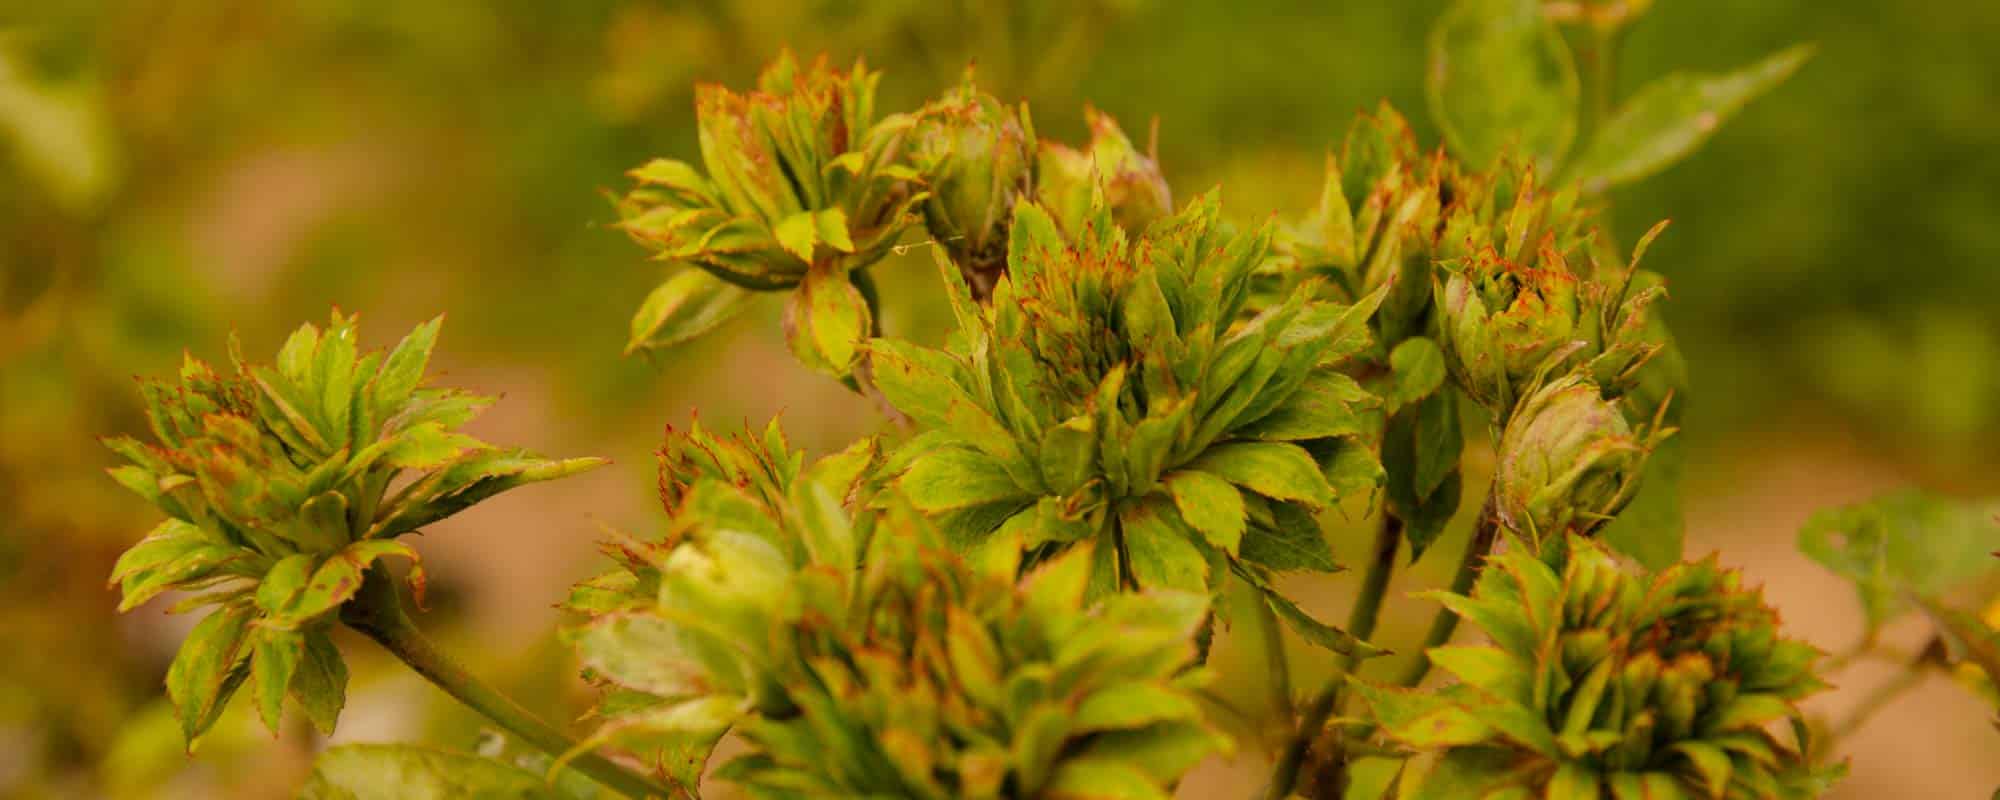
1421	446
685	306
1328	404
1903	545
1501	77
319	685
1315	631
1669	118
827	320
1417	367
274	661
916	380
830	225
337	580
1294	542
650	653
209	667
797	234
1211	505
1159	551
408	772
1276	470
955	477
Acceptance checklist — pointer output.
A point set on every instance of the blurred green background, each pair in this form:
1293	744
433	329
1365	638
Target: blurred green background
172	171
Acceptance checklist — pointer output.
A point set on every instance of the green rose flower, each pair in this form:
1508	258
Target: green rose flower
1602	683
1069	180
282	484
803	189
1568	461
1112	393
855	655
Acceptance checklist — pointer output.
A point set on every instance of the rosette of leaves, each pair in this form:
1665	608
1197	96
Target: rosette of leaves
855	655
1071	182
1601	683
978	157
1112	393
277	484
1568	460
803	189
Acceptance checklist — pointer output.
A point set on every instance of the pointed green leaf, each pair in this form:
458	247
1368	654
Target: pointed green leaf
684	307
273	663
1159	551
1276	470
319	685
1669	118
1211	505
797	234
209	667
955	477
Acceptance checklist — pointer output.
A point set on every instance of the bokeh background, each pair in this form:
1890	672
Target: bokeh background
171	171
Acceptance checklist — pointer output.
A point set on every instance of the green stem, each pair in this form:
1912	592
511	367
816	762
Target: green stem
377	612
1360	622
1446	623
1274	653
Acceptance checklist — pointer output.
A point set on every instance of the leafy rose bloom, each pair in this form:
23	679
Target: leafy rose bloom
1599	682
1069	180
1511	304
856	655
978	157
277	484
1568	461
1112	393
803	188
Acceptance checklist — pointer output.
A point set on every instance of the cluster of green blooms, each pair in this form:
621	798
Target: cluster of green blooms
1601	683
276	483
805	189
828	624
1474	269
1111	393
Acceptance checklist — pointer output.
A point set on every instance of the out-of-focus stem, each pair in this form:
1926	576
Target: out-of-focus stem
377	611
1360	622
1446	623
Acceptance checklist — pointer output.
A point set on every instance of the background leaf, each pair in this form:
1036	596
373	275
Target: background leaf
1667	119
687	305
1501	76
1902	545
405	772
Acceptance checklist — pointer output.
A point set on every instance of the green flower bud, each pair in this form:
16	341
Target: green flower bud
1499	322
1602	683
1376	211
1131	182
803	187
1568	461
854	655
1114	392
276	484
978	157
1510	305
